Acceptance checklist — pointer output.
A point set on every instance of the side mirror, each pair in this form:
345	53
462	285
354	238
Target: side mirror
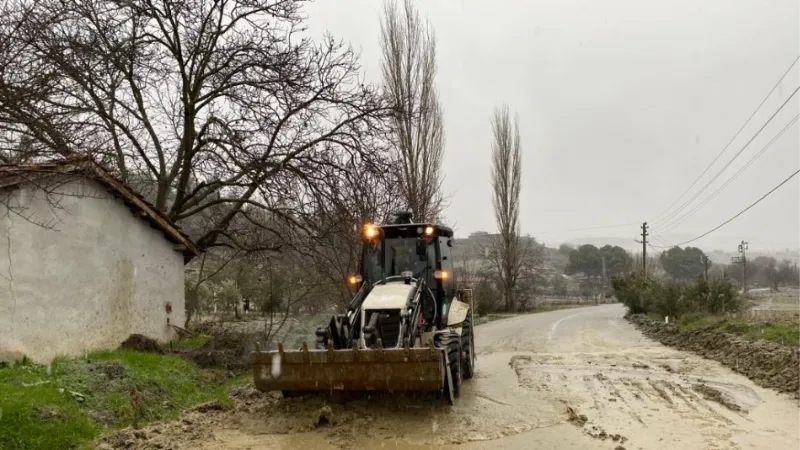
422	249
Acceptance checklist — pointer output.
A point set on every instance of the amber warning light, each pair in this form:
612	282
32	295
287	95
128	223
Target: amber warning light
354	279
370	231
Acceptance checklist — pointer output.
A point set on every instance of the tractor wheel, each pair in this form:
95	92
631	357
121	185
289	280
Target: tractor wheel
468	349
451	342
321	342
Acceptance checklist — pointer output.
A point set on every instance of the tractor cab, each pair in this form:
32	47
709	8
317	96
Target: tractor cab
401	252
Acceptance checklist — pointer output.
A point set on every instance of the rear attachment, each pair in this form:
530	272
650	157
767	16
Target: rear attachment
396	369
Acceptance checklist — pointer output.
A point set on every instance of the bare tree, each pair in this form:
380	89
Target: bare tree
417	129
217	102
530	281
332	238
508	253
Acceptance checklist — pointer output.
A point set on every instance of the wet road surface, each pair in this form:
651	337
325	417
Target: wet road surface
572	379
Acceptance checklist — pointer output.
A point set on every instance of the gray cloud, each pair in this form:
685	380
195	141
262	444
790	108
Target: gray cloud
622	104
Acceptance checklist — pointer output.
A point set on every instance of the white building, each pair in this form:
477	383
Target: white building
84	262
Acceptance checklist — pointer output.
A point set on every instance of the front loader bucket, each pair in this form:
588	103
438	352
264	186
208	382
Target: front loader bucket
304	370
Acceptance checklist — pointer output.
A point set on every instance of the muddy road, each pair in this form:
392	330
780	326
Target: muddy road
578	379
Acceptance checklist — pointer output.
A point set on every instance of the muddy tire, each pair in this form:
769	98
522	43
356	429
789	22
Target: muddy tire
321	343
467	349
451	342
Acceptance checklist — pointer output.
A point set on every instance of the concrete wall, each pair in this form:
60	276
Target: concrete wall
81	274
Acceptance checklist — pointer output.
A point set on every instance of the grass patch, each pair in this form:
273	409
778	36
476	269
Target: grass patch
38	416
654	316
784	333
73	401
696	321
196	341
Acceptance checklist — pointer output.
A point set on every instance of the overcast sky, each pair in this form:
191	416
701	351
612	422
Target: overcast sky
621	103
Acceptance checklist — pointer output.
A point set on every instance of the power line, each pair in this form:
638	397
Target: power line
740	212
670	225
658	238
758	108
672	214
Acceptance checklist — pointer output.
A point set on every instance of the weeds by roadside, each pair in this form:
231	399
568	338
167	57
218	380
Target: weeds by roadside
701	305
72	401
784	333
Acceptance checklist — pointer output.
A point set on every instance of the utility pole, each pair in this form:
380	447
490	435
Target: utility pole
644	248
743	250
705	264
603	290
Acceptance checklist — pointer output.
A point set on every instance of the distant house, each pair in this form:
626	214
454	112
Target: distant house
84	262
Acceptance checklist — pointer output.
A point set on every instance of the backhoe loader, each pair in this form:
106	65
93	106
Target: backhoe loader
408	327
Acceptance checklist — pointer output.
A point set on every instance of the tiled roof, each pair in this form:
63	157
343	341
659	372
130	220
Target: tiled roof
14	174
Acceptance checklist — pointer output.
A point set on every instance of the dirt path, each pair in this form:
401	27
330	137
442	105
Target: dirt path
582	379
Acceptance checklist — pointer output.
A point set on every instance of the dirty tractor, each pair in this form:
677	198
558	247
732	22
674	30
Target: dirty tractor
409	327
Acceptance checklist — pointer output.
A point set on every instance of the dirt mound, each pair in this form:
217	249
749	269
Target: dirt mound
768	364
252	411
141	343
229	350
189	431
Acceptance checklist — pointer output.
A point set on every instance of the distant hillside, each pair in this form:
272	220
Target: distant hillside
628	244
724	257
473	251
716	255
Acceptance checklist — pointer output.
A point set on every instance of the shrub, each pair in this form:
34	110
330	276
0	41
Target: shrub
642	295
632	290
668	299
723	297
487	298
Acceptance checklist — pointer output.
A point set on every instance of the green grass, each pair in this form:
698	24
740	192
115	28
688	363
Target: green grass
695	321
73	401
654	316
195	341
784	333
39	417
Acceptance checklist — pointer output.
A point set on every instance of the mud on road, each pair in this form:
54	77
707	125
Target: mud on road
767	363
582	378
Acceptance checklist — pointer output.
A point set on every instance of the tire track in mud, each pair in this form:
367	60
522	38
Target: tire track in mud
613	392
